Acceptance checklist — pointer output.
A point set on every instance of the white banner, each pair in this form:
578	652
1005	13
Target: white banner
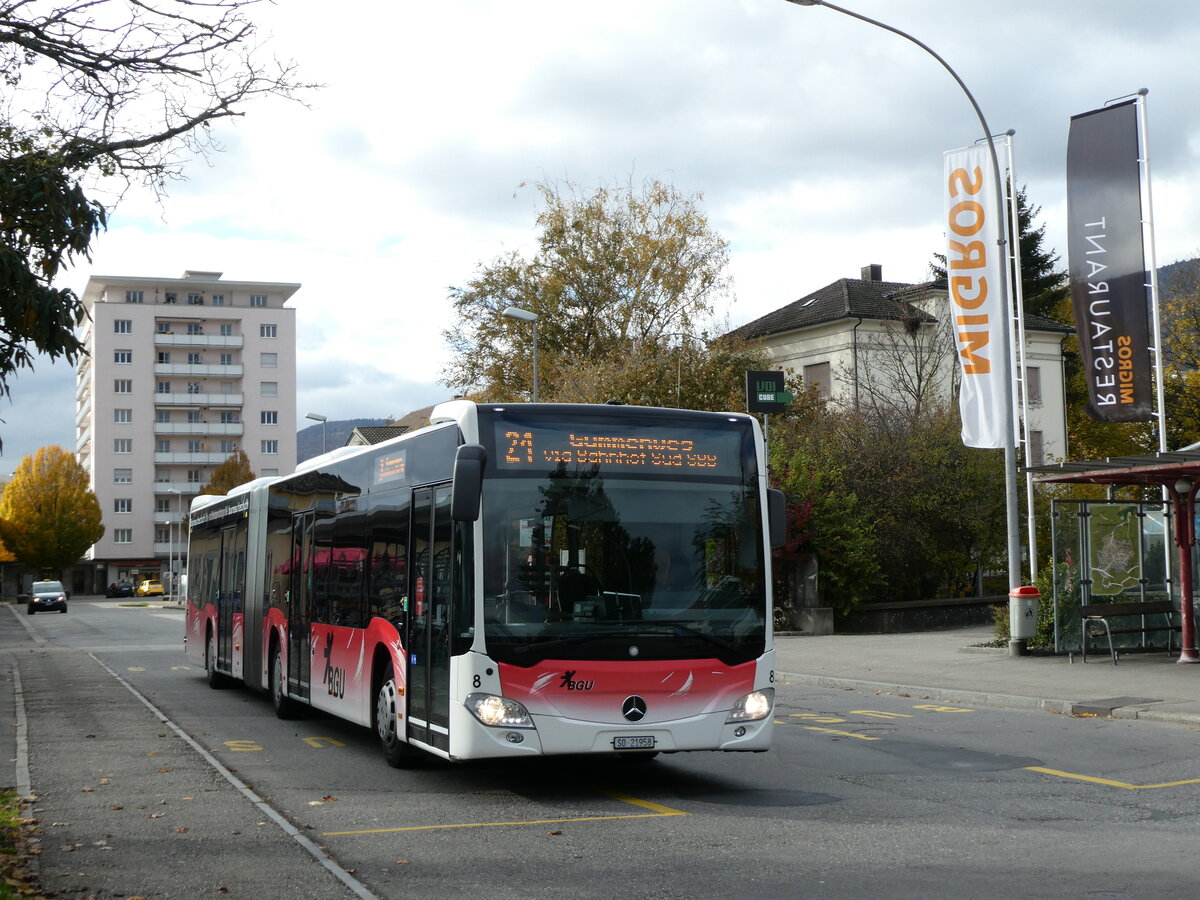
973	261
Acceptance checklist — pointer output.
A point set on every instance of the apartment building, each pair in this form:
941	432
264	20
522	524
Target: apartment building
180	373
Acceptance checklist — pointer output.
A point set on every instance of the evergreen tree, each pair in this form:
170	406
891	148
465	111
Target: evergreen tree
1045	290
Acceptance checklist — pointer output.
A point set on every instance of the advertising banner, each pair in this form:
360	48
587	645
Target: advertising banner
973	267
1107	264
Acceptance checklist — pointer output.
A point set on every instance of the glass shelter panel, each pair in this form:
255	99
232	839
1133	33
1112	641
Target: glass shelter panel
1107	552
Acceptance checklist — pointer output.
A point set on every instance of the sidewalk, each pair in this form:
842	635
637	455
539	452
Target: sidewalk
128	804
949	666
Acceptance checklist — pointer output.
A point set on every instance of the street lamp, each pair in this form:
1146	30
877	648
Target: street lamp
171	527
683	337
1010	450
321	419
515	312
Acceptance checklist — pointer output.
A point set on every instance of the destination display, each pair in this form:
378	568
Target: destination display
390	467
620	447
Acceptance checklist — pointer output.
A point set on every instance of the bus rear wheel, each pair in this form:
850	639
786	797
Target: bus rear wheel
215	678
398	752
285	706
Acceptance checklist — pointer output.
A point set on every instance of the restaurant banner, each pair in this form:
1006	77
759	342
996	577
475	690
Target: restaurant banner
1107	263
977	306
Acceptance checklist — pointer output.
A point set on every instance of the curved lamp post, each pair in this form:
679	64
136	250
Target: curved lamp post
319	418
1010	450
524	315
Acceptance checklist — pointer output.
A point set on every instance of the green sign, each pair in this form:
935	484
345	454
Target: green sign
765	392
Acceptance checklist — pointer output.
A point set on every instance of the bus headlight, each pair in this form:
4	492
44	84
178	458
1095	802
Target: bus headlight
753	706
498	712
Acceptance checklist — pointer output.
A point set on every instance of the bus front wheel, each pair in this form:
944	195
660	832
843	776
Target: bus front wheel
398	752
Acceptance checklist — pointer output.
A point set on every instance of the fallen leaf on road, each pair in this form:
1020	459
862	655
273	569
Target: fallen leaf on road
329	799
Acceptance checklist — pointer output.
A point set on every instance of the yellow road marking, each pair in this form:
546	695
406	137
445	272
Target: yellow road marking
655	811
321	742
876	714
1109	782
861	737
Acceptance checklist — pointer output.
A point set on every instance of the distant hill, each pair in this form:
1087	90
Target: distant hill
1178	276
308	440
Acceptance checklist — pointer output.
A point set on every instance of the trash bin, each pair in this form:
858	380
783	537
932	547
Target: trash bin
1023	603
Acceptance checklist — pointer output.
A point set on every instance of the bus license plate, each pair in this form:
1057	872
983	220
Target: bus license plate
639	742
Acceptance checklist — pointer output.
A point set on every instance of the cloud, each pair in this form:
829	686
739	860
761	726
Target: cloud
815	139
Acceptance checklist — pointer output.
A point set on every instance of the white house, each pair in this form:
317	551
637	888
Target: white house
868	342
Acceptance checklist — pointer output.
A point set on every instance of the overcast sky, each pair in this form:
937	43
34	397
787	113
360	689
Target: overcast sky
815	139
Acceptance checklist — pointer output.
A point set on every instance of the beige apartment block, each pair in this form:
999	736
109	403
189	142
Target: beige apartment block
180	372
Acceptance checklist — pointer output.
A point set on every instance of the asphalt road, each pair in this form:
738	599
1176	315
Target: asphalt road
862	794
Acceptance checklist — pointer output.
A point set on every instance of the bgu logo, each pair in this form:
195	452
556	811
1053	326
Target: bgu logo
569	682
334	678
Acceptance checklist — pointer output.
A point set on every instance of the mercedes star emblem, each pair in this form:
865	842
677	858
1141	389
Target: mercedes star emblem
634	708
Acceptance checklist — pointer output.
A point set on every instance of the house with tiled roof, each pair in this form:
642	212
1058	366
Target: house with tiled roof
866	341
377	434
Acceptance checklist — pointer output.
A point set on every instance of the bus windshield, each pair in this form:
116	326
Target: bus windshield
578	565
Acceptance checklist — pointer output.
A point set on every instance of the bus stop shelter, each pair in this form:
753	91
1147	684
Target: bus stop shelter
1178	473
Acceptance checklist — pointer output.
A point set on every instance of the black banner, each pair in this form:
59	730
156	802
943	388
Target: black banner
1107	264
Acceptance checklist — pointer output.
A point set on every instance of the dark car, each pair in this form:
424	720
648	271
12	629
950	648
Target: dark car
47	596
120	589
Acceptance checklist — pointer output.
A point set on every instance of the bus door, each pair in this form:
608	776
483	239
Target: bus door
228	595
299	598
429	618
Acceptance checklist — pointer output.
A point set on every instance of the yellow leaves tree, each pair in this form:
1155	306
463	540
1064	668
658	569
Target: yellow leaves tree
48	514
229	474
623	283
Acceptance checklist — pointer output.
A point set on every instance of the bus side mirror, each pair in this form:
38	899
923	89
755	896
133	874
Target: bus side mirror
468	482
777	517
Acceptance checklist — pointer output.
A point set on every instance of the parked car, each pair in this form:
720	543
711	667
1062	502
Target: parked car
149	587
120	589
47	596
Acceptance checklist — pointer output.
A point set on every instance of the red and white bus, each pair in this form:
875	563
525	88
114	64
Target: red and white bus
511	580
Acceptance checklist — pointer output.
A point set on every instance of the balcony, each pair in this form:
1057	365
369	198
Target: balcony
233	370
197	400
190	459
167	339
187	489
204	428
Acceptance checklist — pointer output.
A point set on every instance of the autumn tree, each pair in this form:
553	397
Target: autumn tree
48	514
1180	314
112	92
229	474
624	283
904	365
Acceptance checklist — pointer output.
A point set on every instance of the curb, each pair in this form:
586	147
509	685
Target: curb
1138	712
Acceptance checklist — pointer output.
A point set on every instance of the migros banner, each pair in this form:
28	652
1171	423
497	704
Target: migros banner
1107	263
973	260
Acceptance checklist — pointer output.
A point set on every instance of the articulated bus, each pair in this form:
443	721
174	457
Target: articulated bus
511	580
